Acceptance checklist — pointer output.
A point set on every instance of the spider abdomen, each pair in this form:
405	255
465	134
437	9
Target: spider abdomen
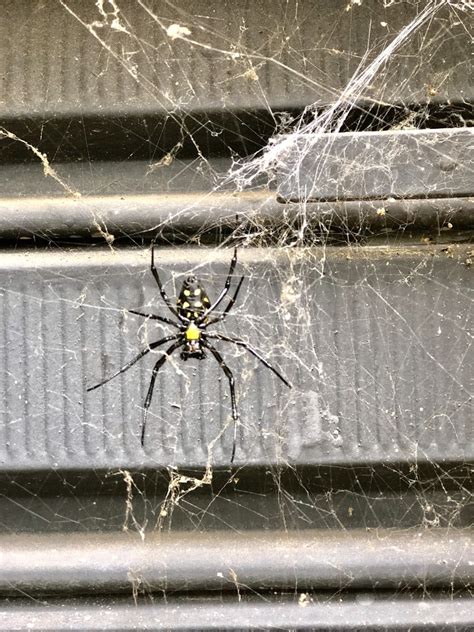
193	300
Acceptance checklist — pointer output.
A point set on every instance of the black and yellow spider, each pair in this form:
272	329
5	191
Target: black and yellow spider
192	310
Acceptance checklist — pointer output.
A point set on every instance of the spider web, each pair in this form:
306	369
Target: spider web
369	316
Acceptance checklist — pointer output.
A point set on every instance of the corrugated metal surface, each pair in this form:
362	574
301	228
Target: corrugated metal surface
240	55
378	350
377	431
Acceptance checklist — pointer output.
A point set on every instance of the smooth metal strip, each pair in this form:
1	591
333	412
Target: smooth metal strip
450	613
259	561
434	163
179	215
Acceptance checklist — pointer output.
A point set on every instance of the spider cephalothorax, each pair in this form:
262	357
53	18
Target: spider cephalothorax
192	310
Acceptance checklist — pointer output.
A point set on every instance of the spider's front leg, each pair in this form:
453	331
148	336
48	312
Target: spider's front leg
250	349
149	394
142	353
230	377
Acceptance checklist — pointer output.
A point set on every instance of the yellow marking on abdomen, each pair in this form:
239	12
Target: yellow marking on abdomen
193	332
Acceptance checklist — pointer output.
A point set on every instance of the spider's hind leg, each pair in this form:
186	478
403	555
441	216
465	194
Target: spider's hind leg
229	305
156	276
228	280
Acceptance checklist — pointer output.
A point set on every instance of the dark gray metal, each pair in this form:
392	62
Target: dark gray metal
432	163
134	215
101	181
341	497
140	198
257	561
172	215
375	341
126	62
303	611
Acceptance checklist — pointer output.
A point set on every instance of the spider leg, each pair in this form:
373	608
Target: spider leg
162	319
229	306
149	394
156	276
133	361
226	287
230	377
253	351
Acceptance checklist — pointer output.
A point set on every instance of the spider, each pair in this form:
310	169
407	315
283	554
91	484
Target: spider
193	310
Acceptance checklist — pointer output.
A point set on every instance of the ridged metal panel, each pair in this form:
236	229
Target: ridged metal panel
377	348
240	55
